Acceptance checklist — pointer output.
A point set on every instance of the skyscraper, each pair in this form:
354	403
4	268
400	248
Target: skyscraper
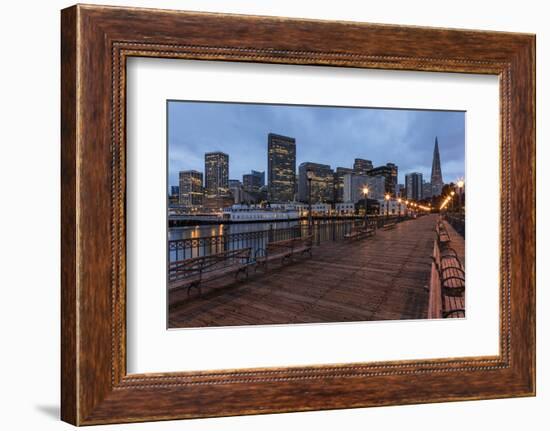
355	184
362	166
339	183
190	188
389	172
253	181
437	176
322	183
216	171
236	188
426	190
281	168
413	185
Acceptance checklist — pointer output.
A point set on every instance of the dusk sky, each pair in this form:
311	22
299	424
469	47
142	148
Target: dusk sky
329	135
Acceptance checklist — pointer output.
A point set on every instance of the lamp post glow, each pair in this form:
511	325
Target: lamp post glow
460	184
309	176
387	198
365	193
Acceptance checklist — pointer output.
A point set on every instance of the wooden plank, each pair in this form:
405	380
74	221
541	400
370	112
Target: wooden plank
385	278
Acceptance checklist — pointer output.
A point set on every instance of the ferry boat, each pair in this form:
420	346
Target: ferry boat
248	213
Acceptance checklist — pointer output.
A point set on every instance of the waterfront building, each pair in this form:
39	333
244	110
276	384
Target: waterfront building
281	168
175	191
345	208
413	184
437	176
354	185
190	188
322	183
362	166
217	203
253	181
339	183
391	207
389	171
216	171
236	189
426	190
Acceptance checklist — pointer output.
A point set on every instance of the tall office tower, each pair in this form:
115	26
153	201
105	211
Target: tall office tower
401	191
281	168
253	181
426	190
355	184
339	183
175	191
362	166
236	189
216	172
190	188
437	176
413	184
389	172
322	183
260	175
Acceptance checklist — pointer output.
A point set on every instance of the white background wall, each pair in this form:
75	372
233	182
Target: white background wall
29	214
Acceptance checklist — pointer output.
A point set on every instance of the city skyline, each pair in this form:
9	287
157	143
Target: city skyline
326	135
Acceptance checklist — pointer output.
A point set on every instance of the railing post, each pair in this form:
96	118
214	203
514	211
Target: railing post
318	233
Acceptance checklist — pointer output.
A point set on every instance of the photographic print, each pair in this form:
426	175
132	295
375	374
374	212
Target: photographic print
293	214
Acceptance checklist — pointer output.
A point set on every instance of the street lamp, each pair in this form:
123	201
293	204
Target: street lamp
460	184
365	194
399	207
387	198
309	176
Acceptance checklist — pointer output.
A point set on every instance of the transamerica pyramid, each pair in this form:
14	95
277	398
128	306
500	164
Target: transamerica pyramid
437	177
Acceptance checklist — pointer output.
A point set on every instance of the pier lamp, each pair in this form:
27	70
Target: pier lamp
460	184
365	194
309	176
453	200
399	202
387	198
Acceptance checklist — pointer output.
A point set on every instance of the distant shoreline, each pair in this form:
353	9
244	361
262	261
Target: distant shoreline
190	222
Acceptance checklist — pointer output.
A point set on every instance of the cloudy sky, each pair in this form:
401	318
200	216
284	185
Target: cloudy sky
331	135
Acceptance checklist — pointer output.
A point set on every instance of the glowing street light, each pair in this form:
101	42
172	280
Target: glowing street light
365	194
460	184
309	176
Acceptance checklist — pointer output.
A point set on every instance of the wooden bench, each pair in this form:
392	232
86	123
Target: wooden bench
447	284
443	237
193	272
453	306
390	226
451	272
284	250
360	233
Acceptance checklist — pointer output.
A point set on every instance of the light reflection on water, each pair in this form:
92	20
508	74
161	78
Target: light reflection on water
221	229
221	237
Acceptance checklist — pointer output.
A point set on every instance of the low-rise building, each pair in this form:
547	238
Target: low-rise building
344	208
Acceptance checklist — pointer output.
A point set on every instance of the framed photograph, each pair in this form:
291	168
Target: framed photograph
265	215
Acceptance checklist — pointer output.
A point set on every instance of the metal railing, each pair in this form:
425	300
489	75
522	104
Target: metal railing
321	230
457	221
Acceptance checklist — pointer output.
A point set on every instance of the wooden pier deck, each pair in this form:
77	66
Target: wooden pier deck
384	277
